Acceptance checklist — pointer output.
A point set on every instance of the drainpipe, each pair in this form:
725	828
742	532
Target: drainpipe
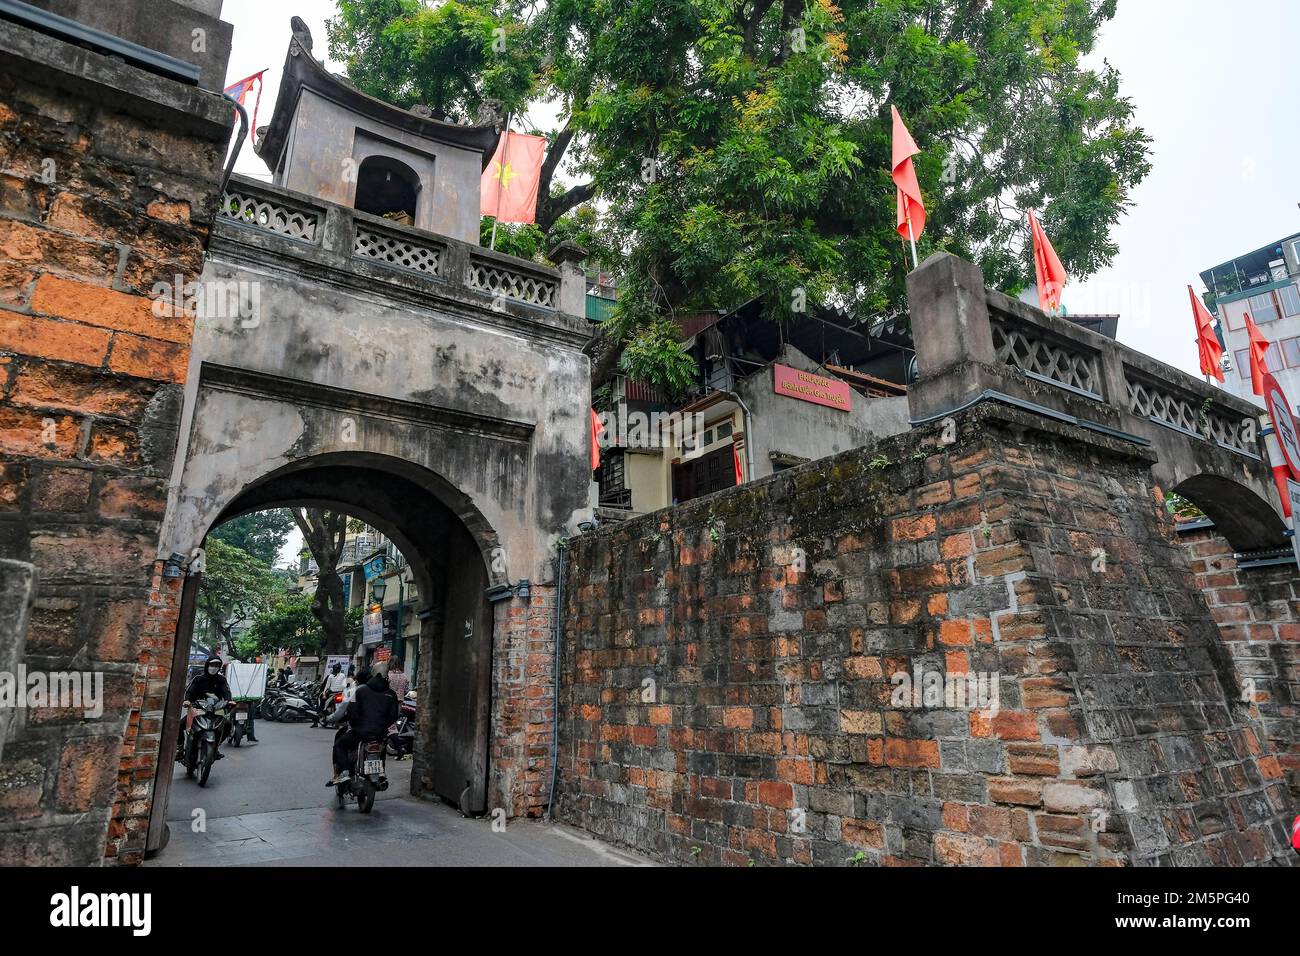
749	442
558	630
239	144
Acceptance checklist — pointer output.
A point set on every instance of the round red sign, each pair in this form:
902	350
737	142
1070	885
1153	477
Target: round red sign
1284	424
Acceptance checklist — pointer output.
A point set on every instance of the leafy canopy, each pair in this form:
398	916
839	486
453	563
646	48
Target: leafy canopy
742	149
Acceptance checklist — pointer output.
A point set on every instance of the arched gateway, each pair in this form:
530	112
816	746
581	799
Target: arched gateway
438	390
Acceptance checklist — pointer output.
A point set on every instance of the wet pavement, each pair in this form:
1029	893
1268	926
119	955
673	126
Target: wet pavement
266	804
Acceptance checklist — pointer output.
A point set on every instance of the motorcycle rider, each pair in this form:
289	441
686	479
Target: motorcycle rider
372	710
208	681
334	683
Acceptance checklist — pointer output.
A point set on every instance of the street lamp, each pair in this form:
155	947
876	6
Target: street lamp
379	587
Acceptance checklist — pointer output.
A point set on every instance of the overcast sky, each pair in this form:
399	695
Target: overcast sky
1215	84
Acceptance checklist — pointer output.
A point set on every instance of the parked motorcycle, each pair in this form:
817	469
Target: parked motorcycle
238	727
301	705
203	738
368	776
401	735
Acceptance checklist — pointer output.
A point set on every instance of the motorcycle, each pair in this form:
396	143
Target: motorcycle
204	735
401	735
368	776
237	729
300	705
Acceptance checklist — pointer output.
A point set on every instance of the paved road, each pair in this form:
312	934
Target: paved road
266	804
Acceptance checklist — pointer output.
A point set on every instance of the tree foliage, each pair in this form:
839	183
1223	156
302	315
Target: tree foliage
262	533
236	587
742	149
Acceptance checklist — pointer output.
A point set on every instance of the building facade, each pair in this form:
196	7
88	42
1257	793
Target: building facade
1265	284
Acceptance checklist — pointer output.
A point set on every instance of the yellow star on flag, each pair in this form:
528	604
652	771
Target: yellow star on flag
503	175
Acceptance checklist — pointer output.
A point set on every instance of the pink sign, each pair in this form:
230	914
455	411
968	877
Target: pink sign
808	387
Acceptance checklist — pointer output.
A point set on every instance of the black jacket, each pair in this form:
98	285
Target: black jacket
206	684
373	708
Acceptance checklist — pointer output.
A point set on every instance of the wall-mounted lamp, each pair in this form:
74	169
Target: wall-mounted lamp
174	566
523	589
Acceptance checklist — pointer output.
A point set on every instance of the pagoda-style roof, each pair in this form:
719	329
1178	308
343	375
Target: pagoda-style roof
302	70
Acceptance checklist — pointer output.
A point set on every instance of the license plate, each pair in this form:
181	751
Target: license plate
372	766
241	717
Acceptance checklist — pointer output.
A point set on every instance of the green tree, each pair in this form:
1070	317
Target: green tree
324	533
288	624
235	588
262	533
742	149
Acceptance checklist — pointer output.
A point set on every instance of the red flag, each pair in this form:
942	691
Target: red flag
508	188
1048	271
597	427
1206	341
735	458
1258	349
910	207
239	92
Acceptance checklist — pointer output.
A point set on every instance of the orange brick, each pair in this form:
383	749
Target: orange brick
95	305
40	436
149	358
737	717
46	338
900	752
955	633
906	529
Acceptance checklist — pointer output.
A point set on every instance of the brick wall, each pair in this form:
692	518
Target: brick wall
727	673
523	704
101	196
1258	613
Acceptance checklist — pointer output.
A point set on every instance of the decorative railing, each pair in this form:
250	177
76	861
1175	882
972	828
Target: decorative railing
1039	355
274	215
496	279
401	253
345	238
1165	405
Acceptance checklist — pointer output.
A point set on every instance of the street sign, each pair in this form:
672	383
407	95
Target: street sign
1293	492
1284	424
372	628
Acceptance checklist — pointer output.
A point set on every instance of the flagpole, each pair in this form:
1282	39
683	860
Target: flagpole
911	237
505	150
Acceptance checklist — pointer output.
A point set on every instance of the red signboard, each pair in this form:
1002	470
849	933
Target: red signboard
818	389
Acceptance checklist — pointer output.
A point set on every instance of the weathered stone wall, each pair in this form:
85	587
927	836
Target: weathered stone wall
1258	613
108	183
719	704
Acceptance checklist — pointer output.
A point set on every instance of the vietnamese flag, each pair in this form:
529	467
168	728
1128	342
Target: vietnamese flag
239	93
735	459
1206	341
597	427
1258	349
910	208
1048	270
508	188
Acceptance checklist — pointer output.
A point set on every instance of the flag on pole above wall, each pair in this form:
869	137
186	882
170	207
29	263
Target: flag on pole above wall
1048	271
1258	349
239	93
508	188
910	208
1207	342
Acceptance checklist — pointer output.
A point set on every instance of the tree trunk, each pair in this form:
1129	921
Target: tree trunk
324	532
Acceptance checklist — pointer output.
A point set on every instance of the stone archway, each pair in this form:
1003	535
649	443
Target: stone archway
449	546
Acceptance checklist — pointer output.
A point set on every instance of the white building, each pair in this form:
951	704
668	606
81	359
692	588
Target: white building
1266	284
